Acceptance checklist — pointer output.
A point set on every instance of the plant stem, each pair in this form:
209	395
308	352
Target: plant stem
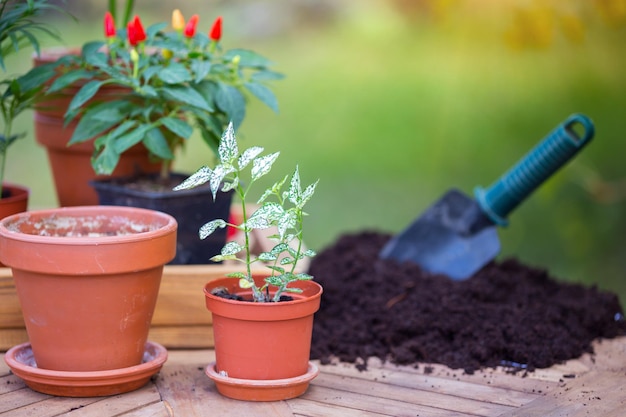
256	292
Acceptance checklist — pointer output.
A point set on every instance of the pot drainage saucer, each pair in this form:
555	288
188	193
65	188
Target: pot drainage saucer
21	360
261	390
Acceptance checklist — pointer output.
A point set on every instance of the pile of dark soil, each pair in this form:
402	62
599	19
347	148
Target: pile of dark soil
508	314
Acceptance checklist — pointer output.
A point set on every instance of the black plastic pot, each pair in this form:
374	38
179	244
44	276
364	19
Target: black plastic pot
191	209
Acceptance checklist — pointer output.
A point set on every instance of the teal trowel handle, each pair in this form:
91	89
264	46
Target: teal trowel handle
534	168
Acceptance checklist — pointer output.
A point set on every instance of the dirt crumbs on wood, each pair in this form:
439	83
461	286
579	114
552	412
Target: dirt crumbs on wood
508	314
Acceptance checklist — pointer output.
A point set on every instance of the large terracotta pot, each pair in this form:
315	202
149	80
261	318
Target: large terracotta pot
262	349
87	279
71	165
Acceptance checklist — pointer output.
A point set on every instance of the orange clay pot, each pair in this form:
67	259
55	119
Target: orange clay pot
87	279
262	341
71	165
14	200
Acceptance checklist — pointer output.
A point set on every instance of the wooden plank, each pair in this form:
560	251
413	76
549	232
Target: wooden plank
413	397
160	409
595	394
371	403
10	312
19	398
183	337
480	390
10	337
306	408
119	404
184	385
10	383
52	406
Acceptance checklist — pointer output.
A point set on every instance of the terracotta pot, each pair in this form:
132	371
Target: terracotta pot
87	279
14	200
262	341
71	165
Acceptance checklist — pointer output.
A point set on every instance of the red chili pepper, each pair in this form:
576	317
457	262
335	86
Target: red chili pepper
190	28
109	25
216	30
135	31
131	33
140	33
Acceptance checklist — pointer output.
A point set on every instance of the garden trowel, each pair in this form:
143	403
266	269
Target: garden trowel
457	235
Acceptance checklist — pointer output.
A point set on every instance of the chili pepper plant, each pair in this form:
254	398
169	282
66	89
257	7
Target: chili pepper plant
174	82
279	209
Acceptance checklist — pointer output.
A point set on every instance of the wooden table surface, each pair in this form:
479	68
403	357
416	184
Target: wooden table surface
593	385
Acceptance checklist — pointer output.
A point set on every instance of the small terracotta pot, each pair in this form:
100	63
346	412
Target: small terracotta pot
14	200
71	165
87	290
262	341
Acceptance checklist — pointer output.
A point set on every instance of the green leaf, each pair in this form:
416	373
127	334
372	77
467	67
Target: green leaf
239	275
307	194
174	74
230	100
208	228
264	94
177	126
97	120
68	79
106	161
248	155
231	248
295	191
156	143
201	69
199	177
286	222
263	165
264	216
266	76
187	95
84	94
217	176
248	58
36	77
228	149
125	141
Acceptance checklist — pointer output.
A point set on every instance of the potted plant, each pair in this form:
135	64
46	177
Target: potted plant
262	323
71	166
87	279
18	28
170	84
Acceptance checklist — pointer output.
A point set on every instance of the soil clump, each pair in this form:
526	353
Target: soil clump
508	314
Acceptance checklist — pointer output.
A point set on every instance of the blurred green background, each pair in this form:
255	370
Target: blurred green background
392	102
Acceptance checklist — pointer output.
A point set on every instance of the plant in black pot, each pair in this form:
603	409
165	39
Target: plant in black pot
172	83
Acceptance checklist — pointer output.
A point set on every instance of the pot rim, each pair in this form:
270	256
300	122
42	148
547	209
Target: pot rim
169	225
22	192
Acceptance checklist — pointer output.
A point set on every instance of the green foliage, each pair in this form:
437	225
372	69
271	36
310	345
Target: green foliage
169	86
19	29
282	210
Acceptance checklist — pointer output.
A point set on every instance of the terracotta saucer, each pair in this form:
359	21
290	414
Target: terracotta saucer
84	384
261	390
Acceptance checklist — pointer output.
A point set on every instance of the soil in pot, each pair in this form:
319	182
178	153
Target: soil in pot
508	314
